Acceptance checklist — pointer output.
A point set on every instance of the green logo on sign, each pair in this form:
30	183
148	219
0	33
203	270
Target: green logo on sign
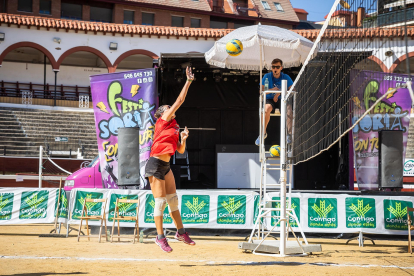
149	211
6	206
195	208
322	213
92	208
395	214
33	205
63	204
295	205
231	209
360	212
125	208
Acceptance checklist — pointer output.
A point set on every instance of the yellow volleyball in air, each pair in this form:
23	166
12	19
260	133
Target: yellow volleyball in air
234	47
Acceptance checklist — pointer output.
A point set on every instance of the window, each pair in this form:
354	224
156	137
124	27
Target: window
45	7
218	24
25	6
129	17
147	19
240	25
71	11
278	6
195	23
177	21
101	14
266	5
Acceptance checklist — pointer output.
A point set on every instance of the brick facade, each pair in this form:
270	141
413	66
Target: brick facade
162	17
11	7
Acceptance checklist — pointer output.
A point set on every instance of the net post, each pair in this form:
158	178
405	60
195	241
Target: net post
283	173
40	165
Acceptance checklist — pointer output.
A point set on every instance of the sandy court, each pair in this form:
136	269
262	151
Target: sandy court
24	253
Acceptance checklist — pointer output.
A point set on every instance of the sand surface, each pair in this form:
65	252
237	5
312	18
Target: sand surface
23	252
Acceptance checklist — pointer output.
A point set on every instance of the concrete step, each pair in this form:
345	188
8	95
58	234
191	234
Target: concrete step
54	117
10	127
78	132
11	135
40	142
71	127
71	136
9	123
4	116
28	111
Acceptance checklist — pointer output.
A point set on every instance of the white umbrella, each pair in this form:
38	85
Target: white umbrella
276	42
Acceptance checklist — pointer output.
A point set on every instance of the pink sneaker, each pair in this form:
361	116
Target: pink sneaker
163	243
184	238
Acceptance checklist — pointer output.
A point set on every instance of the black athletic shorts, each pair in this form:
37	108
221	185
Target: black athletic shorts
273	104
156	167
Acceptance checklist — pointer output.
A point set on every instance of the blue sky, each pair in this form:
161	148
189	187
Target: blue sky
317	9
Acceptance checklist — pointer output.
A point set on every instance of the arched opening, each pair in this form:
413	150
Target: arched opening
400	65
78	64
26	69
135	59
135	62
371	64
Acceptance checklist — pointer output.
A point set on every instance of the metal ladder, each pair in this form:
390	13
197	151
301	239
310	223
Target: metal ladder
178	155
266	207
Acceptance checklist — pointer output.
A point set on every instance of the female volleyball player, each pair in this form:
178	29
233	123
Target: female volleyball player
158	169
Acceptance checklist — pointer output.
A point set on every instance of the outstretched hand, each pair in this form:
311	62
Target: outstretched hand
184	134
190	75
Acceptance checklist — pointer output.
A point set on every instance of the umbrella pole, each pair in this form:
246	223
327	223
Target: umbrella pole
261	108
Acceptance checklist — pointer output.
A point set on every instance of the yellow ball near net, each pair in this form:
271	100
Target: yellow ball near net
275	151
234	47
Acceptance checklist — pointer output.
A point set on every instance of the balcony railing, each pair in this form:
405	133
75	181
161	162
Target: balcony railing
13	92
394	17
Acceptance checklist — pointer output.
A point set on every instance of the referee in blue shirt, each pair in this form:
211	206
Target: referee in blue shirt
275	83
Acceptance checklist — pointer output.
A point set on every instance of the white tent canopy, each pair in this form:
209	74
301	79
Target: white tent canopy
277	42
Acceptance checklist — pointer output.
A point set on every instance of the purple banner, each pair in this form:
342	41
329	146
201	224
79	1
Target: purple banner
392	113
124	99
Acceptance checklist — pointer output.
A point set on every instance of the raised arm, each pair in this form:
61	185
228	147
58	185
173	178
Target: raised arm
179	101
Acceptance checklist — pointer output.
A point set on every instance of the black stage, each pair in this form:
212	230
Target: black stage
228	100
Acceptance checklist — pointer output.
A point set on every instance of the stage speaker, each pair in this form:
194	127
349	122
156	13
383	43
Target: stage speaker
391	163
129	167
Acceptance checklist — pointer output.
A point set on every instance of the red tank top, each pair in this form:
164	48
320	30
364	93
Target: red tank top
166	136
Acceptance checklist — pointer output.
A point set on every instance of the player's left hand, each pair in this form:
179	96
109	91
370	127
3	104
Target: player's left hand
184	134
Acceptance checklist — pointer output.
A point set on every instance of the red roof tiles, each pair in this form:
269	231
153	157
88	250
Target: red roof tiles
67	24
300	11
356	33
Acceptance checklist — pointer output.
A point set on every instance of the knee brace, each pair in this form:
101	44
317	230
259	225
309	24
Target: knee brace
160	203
172	200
